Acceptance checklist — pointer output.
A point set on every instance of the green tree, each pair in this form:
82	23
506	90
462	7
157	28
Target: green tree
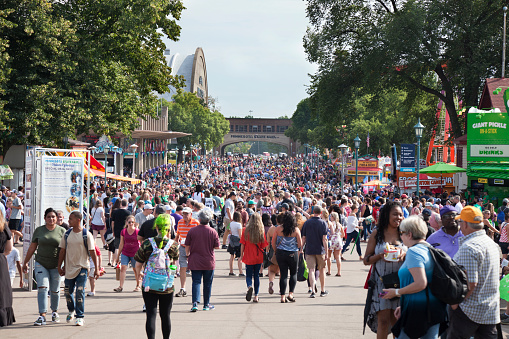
187	114
303	122
444	48
82	65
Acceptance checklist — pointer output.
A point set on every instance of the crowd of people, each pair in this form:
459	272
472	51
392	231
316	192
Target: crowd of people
269	215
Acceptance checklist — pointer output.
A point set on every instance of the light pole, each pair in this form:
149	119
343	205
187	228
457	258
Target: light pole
184	149
92	149
342	148
419	128
106	150
205	150
114	149
503	43
357	144
291	149
134	147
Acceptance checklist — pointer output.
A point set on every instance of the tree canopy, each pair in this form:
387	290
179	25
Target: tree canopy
70	67
440	47
187	114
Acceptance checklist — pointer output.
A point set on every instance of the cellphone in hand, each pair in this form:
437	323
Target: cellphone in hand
382	294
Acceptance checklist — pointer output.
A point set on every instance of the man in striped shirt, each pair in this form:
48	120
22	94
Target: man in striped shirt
183	226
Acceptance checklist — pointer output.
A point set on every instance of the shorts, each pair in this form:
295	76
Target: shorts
14	224
182	256
92	266
125	260
234	251
315	261
226	223
504	246
95	227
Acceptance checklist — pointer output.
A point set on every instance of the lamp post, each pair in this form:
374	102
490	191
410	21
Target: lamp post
419	128
291	149
106	150
357	144
342	149
205	151
134	147
184	149
114	149
504	43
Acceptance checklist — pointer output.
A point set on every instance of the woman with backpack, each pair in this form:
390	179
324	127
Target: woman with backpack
147	255
253	244
420	314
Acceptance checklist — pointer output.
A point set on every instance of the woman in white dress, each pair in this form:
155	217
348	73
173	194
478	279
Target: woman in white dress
336	242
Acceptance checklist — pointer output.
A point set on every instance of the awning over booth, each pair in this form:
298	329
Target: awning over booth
6	172
489	170
97	169
363	171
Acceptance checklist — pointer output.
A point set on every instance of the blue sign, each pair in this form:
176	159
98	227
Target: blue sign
407	169
407	156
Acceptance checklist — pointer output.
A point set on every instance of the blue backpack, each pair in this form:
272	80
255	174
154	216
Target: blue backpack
501	215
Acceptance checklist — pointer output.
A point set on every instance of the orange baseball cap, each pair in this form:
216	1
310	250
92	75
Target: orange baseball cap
470	214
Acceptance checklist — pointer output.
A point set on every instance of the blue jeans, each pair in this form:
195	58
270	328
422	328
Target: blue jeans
349	238
47	278
252	271
208	276
366	231
431	334
79	282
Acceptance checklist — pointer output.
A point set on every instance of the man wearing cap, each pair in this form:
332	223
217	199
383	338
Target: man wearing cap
184	225
141	217
478	314
250	208
447	237
147	228
229	208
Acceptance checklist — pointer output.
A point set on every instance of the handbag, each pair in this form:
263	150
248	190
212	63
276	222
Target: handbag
265	262
390	280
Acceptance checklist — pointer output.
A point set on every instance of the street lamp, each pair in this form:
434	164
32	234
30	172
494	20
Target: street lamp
106	150
357	144
184	148
114	149
419	128
134	147
205	150
342	149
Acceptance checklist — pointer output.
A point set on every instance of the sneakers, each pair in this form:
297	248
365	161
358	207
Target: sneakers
504	321
55	317
504	316
312	295
208	307
194	308
324	293
182	293
70	317
90	294
224	247
40	321
80	322
231	274
144	308
242	275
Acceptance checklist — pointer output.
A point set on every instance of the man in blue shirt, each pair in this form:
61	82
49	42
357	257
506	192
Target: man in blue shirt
447	238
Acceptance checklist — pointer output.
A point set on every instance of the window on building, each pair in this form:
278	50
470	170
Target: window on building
236	128
250	128
231	128
200	80
268	129
255	129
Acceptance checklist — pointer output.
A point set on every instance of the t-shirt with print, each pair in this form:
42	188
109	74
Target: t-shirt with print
47	245
76	255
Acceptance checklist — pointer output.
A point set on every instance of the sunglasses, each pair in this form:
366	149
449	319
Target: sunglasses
402	232
449	216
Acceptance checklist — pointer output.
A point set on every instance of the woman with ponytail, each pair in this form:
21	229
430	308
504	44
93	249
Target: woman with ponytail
163	225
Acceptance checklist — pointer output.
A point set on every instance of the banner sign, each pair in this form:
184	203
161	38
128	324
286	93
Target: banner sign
407	156
62	184
488	135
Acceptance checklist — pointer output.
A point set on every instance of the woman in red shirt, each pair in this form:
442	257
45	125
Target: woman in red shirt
252	247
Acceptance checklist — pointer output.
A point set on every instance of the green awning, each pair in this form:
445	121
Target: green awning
6	172
488	170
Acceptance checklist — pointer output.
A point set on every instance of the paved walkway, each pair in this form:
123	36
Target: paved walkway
119	315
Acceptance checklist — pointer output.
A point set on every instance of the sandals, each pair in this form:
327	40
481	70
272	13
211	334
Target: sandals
290	299
118	289
327	274
338	275
137	289
255	299
271	289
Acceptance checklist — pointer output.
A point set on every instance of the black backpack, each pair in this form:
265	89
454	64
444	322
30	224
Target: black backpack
449	281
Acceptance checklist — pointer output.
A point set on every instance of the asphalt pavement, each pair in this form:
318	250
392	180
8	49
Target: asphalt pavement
119	315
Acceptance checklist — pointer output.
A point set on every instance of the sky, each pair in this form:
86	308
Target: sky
253	51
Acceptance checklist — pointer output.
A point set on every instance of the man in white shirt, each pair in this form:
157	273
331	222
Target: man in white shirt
457	203
229	206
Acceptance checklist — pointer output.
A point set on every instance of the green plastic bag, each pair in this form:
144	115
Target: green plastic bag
504	288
